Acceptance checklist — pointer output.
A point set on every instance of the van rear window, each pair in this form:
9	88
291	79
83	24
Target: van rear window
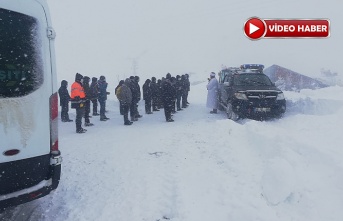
21	69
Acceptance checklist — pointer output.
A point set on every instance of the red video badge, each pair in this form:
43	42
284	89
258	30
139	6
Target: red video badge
297	28
254	28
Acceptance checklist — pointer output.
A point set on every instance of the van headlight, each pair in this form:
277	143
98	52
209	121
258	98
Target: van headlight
280	96
241	96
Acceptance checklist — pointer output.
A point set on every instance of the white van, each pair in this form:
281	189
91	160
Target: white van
30	162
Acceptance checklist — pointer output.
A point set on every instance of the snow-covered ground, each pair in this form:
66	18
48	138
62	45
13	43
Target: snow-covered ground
202	167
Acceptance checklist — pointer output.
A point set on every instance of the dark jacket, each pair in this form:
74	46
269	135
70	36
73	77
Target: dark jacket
147	92
178	86
168	91
86	87
136	91
184	84
125	93
63	93
102	90
155	90
94	89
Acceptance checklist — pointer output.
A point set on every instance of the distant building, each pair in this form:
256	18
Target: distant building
289	80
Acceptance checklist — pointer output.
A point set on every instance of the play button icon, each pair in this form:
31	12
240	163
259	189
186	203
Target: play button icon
254	28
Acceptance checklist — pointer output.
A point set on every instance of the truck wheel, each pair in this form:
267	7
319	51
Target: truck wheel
230	113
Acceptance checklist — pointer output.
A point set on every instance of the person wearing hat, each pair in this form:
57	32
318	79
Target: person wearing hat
94	89
154	94
212	93
64	101
87	90
102	84
78	101
168	93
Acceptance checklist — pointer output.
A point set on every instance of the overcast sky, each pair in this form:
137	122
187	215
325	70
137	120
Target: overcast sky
118	38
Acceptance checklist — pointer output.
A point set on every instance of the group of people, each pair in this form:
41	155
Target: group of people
82	94
169	93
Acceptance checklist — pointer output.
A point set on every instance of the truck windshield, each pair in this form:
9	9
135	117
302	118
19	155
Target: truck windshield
21	69
251	80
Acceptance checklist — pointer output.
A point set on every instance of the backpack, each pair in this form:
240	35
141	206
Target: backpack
119	93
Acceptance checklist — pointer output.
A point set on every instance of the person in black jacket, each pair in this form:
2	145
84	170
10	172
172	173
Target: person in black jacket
168	93
159	94
64	101
184	91
94	90
188	87
138	98
103	97
173	83
87	91
178	87
154	94
147	96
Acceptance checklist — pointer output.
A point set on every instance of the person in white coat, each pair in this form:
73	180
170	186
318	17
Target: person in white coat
212	93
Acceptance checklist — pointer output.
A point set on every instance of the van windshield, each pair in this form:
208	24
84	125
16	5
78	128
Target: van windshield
21	70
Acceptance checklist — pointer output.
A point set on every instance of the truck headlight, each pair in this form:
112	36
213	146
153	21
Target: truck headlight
241	96
280	96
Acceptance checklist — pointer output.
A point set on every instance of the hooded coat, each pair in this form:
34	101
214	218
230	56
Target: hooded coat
63	93
125	93
94	90
147	92
102	88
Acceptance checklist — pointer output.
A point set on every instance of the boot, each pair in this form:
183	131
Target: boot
214	111
128	123
81	131
134	119
88	124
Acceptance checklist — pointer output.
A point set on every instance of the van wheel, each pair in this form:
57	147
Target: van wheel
230	113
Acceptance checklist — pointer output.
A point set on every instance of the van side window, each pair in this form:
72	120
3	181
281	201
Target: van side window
21	66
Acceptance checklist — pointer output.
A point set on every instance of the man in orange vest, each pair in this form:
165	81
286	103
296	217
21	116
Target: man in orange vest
78	96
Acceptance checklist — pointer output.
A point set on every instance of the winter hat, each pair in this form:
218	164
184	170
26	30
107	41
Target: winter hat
153	79
213	74
102	77
127	81
86	79
94	79
168	76
137	78
78	77
178	77
64	83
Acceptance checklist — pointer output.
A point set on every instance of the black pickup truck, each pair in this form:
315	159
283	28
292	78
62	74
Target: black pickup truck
246	92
